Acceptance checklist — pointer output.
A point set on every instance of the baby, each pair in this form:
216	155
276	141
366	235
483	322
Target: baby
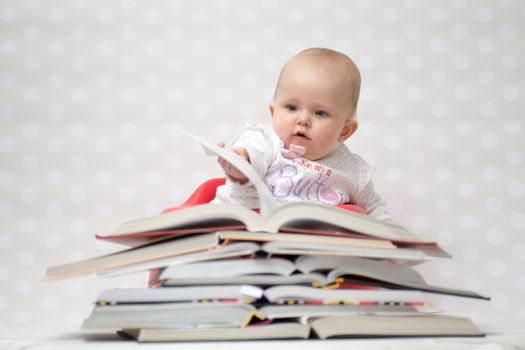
302	157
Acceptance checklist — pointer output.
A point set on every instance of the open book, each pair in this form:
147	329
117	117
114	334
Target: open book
296	216
337	326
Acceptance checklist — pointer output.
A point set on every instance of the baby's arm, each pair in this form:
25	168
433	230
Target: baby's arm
229	169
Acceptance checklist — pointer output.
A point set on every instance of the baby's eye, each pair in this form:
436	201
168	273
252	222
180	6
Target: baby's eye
321	114
291	108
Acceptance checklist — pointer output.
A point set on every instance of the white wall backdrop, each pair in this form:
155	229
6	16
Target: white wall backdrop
89	91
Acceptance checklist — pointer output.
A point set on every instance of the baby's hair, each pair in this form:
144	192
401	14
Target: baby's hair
342	63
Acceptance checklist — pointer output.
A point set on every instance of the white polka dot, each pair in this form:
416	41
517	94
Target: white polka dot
413	63
128	162
493	205
484	14
412	32
224	130
485	46
78	193
200	112
489	141
247	16
512	127
418	191
9	15
55	177
511	93
391	78
395	207
447	270
468	222
461	62
444	206
50	303
79	162
390	47
514	158
79	33
8	47
248	112
392	143
127	194
128	130
440	142
388	15
462	93
31	96
176	162
103	210
4	302
200	80
419	223
416	159
499	301
366	63
32	32
55	112
393	175
28	226
105	16
5	241
223	95
7	112
75	288
472	284
467	190
104	177
487	109
105	80
153	16
105	48
509	62
437	46
487	77
6	177
29	194
438	78
491	173
495	237
5	273
223	33
77	225
365	32
248	80
516	189
442	174
24	287
23	317
470	254
57	16
445	238
465	159
519	283
54	209
436	15
318	32
391	110
129	33
416	128
152	176
497	269
517	221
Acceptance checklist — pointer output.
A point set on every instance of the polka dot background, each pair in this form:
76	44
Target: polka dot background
90	92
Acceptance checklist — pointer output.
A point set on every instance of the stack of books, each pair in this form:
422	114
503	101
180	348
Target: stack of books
300	270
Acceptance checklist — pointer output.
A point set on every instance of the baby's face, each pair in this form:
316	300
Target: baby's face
311	109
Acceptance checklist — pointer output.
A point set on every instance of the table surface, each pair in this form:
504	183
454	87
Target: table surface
501	334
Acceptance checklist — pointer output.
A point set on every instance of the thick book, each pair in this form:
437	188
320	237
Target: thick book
319	270
339	326
269	218
219	314
161	250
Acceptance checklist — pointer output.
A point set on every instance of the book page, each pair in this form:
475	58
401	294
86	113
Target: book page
266	202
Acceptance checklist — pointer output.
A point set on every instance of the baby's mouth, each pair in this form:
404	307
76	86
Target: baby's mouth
301	136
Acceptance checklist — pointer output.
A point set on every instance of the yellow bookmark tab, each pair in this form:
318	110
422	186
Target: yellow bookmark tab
250	317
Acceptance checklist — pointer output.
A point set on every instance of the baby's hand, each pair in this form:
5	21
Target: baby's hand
229	169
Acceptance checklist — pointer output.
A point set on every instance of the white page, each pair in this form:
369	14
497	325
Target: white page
266	201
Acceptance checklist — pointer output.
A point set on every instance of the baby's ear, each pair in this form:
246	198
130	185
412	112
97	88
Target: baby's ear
271	107
348	129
